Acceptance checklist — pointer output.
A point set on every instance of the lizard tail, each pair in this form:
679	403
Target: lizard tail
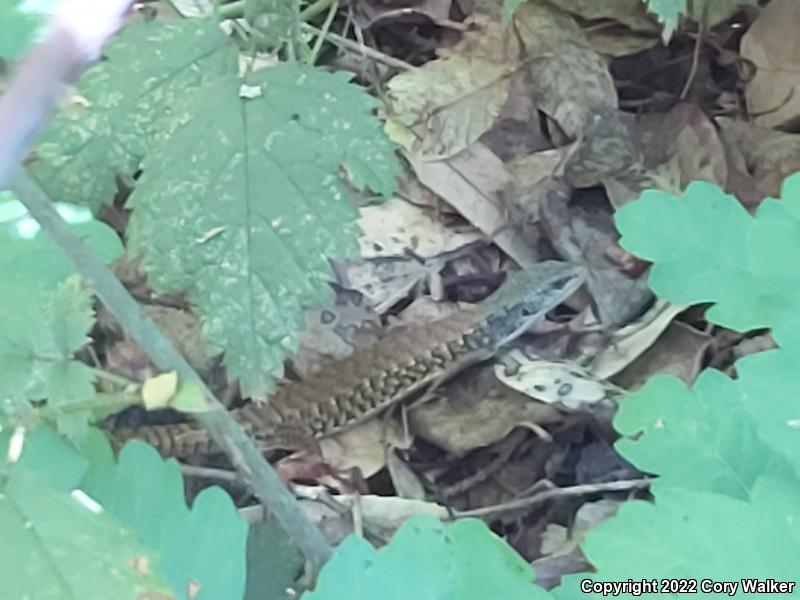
181	440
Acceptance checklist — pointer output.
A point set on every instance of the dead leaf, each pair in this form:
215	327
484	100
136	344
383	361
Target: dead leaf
773	45
363	446
470	182
769	156
396	226
631	341
560	384
453	100
569	79
679	352
471	415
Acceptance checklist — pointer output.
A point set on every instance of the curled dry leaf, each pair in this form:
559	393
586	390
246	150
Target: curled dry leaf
364	447
563	385
471	182
679	351
453	100
773	45
766	156
628	343
475	412
569	80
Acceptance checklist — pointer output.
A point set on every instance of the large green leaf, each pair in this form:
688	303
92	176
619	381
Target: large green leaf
19	20
701	439
243	205
201	550
697	535
124	103
425	559
739	263
58	547
46	317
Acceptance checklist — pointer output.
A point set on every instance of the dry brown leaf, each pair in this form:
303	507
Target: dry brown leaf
678	352
769	156
773	45
475	414
470	182
630	342
563	385
569	79
395	226
363	446
453	100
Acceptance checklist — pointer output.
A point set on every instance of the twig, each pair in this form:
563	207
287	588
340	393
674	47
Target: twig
211	473
575	490
312	58
343	42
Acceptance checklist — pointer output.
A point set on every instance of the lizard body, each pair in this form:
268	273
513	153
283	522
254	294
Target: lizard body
405	360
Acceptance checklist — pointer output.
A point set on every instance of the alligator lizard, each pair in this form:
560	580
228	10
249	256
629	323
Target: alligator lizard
406	359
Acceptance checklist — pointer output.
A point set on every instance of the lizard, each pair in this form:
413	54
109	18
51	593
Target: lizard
401	363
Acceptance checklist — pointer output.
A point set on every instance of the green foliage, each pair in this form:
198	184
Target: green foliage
699	535
57	542
59	547
740	264
273	563
18	23
701	439
254	206
125	103
271	20
240	203
199	553
200	549
425	559
668	12
726	451
46	317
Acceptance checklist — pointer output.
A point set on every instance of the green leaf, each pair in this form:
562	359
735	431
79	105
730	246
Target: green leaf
202	550
18	23
243	205
701	439
55	462
668	12
272	21
740	263
464	561
56	546
509	8
698	535
769	382
46	316
124	104
273	563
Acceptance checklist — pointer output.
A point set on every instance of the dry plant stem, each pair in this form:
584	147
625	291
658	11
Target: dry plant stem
365	50
223	429
576	490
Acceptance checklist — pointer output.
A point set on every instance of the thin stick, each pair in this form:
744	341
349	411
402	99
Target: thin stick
575	490
343	42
